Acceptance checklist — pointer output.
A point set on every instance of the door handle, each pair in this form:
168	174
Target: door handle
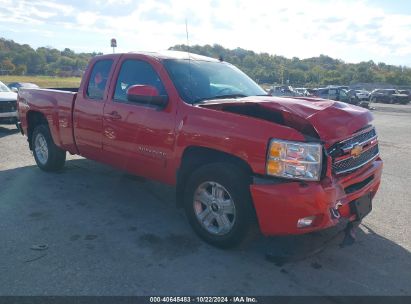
112	115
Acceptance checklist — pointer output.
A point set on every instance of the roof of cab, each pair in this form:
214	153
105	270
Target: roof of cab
176	55
169	55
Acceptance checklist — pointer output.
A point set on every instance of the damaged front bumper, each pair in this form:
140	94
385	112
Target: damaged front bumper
280	205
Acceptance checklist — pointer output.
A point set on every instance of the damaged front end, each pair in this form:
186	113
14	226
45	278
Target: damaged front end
325	120
351	171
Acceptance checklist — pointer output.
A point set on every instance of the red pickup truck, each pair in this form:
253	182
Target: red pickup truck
234	153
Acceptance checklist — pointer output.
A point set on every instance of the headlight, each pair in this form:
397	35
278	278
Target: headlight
290	159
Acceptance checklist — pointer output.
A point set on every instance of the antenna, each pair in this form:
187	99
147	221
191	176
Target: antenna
188	44
189	61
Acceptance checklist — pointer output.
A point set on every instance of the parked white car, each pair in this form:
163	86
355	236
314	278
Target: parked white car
15	86
8	105
303	91
362	94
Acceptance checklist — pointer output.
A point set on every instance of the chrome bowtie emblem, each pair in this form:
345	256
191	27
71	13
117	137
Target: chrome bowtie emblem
356	151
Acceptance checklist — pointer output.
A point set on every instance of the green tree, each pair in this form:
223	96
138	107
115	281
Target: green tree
7	66
20	69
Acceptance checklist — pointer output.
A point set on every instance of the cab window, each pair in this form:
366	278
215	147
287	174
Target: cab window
98	79
136	72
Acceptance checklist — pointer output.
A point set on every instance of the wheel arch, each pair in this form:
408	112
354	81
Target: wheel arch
34	118
195	157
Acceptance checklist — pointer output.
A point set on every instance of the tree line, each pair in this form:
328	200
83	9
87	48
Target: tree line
21	59
310	72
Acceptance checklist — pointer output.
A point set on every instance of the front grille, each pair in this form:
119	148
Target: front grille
361	138
8	106
344	160
351	163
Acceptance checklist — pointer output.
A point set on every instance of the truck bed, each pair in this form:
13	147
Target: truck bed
57	106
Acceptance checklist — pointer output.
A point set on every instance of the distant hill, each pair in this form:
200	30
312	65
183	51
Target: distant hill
21	59
316	71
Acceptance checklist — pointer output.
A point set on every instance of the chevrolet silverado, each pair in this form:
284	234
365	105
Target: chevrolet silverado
236	156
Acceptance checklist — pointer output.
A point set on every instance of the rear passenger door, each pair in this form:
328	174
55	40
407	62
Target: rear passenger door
88	109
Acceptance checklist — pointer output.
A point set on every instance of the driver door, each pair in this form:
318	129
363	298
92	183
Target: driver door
138	137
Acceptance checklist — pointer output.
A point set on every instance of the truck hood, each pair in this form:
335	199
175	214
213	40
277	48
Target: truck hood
7	96
328	120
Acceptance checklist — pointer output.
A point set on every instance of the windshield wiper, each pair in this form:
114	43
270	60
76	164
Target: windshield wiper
221	97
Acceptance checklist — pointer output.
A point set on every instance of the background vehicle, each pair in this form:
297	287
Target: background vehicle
8	105
284	91
303	91
15	86
312	92
341	87
406	92
333	93
388	96
355	100
233	153
363	95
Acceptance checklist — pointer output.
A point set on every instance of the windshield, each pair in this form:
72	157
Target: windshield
3	87
202	80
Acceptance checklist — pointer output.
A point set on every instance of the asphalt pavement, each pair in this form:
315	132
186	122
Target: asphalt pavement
94	230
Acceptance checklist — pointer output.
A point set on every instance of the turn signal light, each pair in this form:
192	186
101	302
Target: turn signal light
274	167
275	150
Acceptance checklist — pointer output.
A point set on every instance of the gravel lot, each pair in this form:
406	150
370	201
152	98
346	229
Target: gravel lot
109	233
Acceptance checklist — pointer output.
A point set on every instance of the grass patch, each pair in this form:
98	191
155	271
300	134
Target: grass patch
45	81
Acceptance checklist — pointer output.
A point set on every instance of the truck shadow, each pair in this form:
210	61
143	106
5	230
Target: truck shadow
8	131
112	207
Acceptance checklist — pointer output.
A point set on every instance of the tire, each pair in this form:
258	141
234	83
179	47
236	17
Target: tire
47	155
231	202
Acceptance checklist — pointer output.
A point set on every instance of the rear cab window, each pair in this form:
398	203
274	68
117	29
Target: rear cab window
99	79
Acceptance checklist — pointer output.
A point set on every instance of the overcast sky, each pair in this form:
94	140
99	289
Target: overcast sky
353	31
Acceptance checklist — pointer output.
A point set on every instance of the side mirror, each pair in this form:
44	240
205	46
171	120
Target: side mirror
146	94
14	89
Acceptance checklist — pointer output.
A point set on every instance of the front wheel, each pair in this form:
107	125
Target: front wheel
47	155
218	204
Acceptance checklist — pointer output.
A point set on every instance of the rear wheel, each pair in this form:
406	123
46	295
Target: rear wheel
47	155
218	204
